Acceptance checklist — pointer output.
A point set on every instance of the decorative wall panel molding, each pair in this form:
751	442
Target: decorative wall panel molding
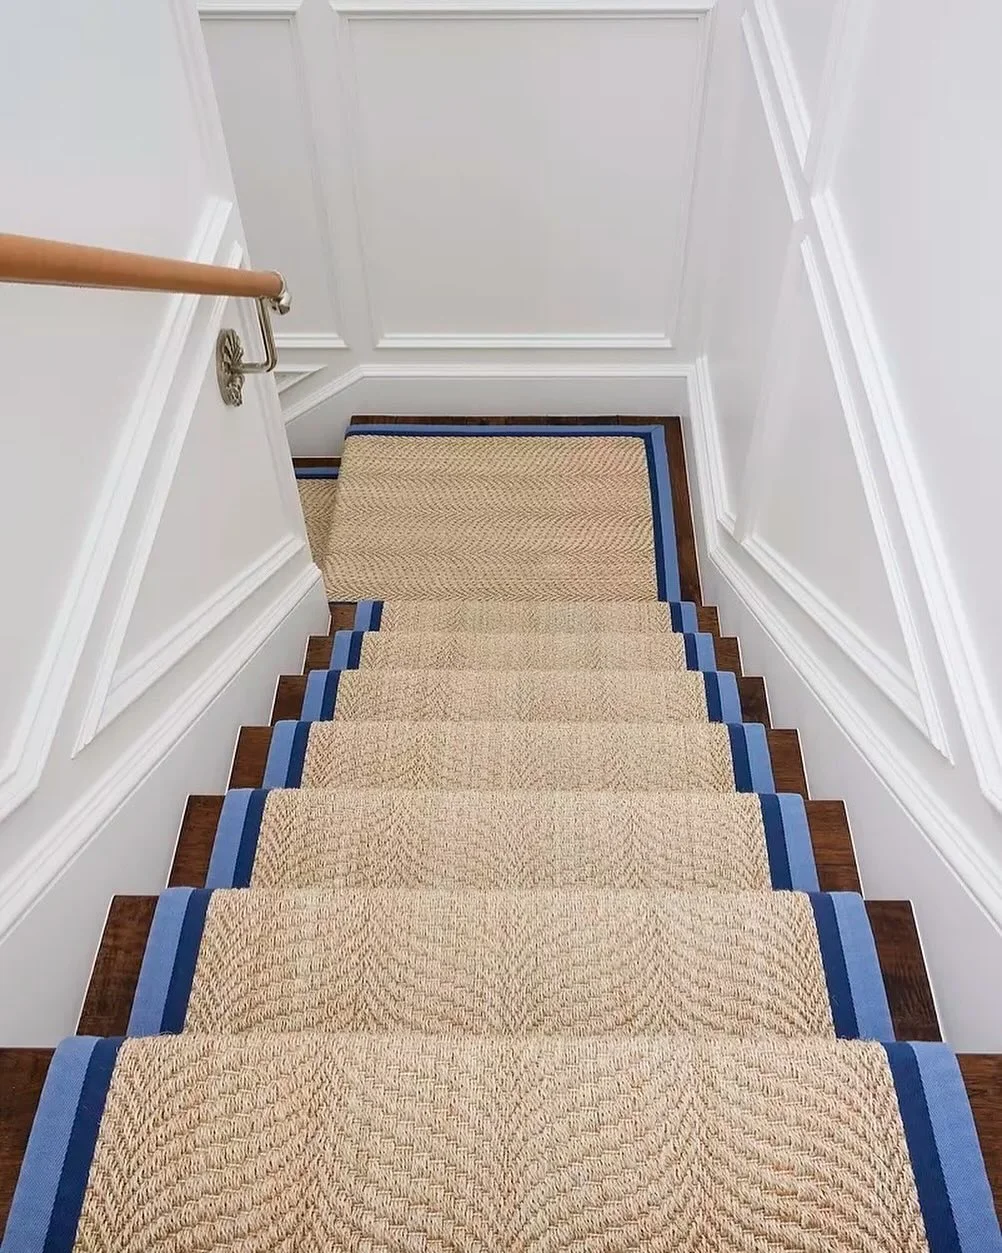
25	759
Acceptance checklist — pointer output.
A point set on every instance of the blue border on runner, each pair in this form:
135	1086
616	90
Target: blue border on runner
852	968
665	541
954	1194
45	1211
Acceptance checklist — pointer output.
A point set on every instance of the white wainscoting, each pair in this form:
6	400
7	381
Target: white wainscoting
155	544
487	186
838	556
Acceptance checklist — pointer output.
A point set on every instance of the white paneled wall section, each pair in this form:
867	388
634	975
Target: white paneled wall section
476	203
155	564
847	456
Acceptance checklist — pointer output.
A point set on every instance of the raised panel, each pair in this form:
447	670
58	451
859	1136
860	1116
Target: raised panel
914	224
82	389
813	520
240	536
524	179
750	261
273	153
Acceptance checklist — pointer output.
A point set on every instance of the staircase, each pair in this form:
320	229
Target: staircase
516	930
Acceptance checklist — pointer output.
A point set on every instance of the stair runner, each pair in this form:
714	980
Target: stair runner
517	948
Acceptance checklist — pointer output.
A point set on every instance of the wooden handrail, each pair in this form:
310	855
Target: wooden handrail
24	259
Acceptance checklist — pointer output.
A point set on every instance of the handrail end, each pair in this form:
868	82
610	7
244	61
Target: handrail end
281	303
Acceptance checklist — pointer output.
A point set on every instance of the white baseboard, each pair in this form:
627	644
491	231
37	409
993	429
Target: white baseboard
119	837
316	421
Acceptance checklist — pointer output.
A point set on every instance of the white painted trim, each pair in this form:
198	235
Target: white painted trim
327	391
930	719
348	11
290	375
917	699
22	768
150	665
96	716
968	680
310	341
56	848
286	11
655	340
522	8
714	481
480	372
777	51
881	668
787	170
957	843
281	10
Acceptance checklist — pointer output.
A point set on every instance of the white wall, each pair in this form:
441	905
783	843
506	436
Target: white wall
480	205
846	324
154	567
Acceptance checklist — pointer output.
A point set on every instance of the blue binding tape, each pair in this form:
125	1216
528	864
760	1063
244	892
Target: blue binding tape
750	755
953	1189
168	969
852	968
662	517
723	701
49	1196
788	842
284	767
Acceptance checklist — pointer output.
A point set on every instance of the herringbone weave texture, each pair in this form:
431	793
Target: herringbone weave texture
359	838
553	617
578	962
558	756
522	696
317	498
390	1141
548	518
499	650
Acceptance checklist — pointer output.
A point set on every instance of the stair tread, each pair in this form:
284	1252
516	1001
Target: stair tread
526	695
523	650
590	756
502	1144
555	962
352	837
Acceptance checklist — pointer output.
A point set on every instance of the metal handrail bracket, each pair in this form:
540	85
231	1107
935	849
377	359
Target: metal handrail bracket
231	368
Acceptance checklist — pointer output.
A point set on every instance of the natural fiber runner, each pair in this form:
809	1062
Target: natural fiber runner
317	498
521	695
534	650
482	839
497	518
512	963
593	756
552	617
390	1141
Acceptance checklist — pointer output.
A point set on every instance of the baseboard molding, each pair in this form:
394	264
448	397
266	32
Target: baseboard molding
316	421
49	857
954	839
